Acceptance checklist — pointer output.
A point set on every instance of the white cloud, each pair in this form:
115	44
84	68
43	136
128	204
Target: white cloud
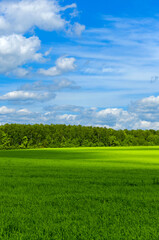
24	112
75	13
6	110
26	96
111	117
63	65
17	18
47	53
147	108
73	5
116	118
150	102
37	92
10	115
76	29
67	117
16	50
21	16
20	72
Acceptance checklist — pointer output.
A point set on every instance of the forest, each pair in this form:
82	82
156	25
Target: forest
21	136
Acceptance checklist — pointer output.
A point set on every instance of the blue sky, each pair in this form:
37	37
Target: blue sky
80	62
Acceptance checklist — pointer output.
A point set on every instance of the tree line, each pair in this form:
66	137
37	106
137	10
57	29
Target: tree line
14	136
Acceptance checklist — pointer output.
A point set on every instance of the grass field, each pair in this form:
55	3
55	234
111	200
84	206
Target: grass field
80	194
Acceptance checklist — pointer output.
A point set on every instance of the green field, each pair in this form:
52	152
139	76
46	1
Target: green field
80	194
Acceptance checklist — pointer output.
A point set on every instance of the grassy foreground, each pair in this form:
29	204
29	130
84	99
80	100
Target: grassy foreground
80	194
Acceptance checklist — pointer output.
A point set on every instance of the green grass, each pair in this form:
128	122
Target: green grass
80	194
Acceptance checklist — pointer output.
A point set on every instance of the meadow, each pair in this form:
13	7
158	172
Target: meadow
80	194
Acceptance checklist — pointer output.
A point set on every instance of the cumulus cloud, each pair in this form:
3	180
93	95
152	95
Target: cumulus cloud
147	108
23	96
63	65
110	117
6	110
37	91
142	114
76	29
149	104
16	50
22	16
67	117
10	115
16	19
116	118
23	112
20	72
